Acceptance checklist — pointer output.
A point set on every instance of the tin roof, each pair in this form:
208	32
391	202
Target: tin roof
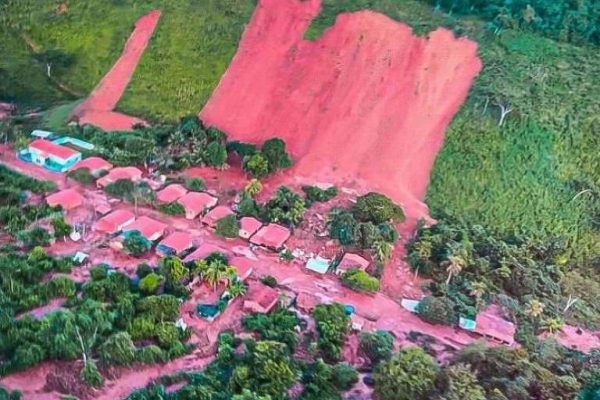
67	199
53	149
272	235
171	193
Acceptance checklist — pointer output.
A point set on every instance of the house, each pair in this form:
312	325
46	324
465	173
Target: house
38	133
195	203
215	215
272	236
171	193
96	165
115	221
50	155
130	173
102	209
349	261
68	199
243	267
203	251
260	299
149	228
318	264
248	227
491	325
175	244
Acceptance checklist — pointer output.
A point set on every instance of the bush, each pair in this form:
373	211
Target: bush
344	376
256	166
61	228
388	232
150	354
376	346
216	154
135	244
118	349
91	375
142	270
82	175
228	227
286	207
122	188
359	280
98	273
248	207
167	335
195	184
159	308
437	310
37	236
150	283
377	208
314	193
173	208
332	325
342	226
274	151
269	280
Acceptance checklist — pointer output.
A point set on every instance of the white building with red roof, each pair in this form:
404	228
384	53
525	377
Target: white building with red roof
171	193
196	203
50	155
272	236
115	221
115	174
95	164
68	199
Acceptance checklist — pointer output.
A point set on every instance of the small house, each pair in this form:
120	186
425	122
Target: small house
491	325
68	199
318	264
171	193
243	266
215	215
196	203
260	299
115	221
350	261
248	227
272	236
175	244
149	228
203	251
96	165
410	305
102	209
50	155
115	174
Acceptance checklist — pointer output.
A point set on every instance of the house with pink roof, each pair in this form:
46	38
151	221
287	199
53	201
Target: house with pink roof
175	244
350	261
243	266
68	199
171	193
249	226
215	215
490	324
115	174
149	228
95	164
196	203
203	251
272	236
114	222
260	299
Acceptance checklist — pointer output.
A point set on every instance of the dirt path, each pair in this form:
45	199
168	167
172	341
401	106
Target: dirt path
368	102
98	108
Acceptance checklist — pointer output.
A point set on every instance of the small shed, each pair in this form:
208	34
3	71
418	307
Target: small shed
318	264
248	227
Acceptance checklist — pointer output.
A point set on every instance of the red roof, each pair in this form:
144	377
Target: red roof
131	173
103	209
171	193
67	199
147	227
249	226
93	164
53	149
216	214
351	260
490	323
196	202
272	235
178	241
203	251
243	266
264	297
114	221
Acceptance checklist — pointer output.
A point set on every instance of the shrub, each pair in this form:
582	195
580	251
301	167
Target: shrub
388	232
269	280
357	279
437	310
216	154
344	376
332	325
118	349
159	308
228	227
61	227
274	151
248	207
314	193
377	208
91	375
195	184
142	270
167	334
37	236
173	208
135	244
256	166
149	284
342	226
286	207
150	354
376	346
242	149
98	273
82	175
121	188
142	327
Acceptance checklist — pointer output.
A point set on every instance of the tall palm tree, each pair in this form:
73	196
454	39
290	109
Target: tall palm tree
553	325
237	288
534	308
454	266
478	289
218	272
253	187
383	251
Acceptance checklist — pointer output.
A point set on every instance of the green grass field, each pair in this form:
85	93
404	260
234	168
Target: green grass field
537	174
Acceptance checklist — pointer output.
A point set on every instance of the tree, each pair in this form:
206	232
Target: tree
135	244
149	284
173	269
91	375
118	349
274	151
253	187
248	395
332	325
383	251
82	175
344	376
454	266
237	288
408	375
376	346
534	308
286	207
462	384
437	310
256	166
478	290
54	58
377	208
217	272
359	280
272	369
195	184
216	155
37	236
173	208
553	325
61	228
228	226
342	226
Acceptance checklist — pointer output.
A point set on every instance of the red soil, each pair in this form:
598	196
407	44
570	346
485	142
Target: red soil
366	103
98	108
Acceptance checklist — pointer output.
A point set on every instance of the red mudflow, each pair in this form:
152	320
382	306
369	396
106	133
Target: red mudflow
367	103
98	108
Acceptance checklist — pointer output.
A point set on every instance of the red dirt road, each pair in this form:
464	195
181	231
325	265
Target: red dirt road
367	103
98	108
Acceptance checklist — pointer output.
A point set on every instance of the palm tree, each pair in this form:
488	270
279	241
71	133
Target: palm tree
383	251
553	325
478	289
454	267
534	308
237	288
504	271
218	272
253	187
